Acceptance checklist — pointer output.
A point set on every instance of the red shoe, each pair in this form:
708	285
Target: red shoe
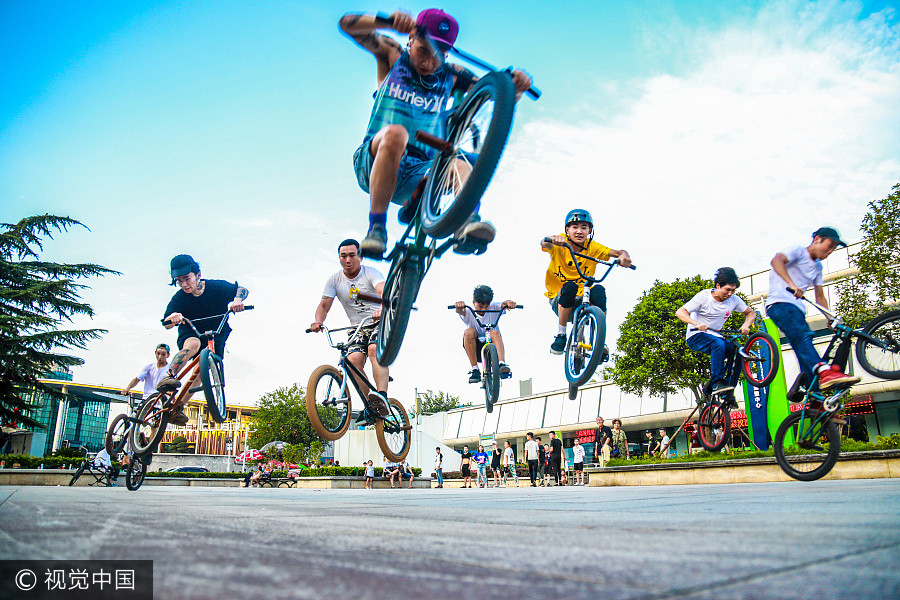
829	378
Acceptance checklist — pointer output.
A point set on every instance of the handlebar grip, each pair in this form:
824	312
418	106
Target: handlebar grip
520	306
384	18
451	307
248	307
548	240
534	92
309	331
791	290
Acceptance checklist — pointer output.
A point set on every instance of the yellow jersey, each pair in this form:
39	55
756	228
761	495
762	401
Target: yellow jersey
562	270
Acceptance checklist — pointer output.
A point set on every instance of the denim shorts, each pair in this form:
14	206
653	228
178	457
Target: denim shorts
412	170
554	304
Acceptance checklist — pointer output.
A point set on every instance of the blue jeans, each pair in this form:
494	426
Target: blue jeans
792	322
482	474
719	350
440	476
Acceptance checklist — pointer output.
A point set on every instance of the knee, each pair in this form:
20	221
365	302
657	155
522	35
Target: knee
598	297
567	294
469	335
393	140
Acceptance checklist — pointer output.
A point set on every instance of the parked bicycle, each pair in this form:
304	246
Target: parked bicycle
101	475
757	360
490	370
808	441
585	346
476	132
206	372
328	401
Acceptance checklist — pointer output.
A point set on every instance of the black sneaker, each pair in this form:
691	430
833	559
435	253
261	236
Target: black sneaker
473	227
605	356
375	243
179	419
559	344
721	387
168	384
505	371
475	376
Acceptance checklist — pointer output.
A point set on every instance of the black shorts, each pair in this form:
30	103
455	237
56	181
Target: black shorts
579	466
466	471
220	342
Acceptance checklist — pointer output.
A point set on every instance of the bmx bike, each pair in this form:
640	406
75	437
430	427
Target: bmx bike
136	471
207	373
808	441
490	359
476	131
120	429
757	360
101	475
585	345
328	401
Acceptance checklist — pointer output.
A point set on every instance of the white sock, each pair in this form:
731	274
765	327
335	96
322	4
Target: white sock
562	330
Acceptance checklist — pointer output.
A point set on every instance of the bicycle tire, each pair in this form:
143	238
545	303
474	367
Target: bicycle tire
399	294
135	474
573	391
762	370
78	473
330	422
393	432
803	463
584	348
881	362
714	417
491	376
148	432
117	435
212	376
444	209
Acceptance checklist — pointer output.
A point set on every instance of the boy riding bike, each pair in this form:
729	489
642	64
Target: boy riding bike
475	337
565	288
797	268
709	309
197	299
414	86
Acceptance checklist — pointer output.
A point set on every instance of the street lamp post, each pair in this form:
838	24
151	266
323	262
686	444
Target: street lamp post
229	444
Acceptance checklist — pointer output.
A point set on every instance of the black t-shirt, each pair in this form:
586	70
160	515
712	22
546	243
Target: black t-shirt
466	456
601	434
495	458
555	448
541	452
214	300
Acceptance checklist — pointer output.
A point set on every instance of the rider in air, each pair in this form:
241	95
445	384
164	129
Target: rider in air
414	85
565	288
475	336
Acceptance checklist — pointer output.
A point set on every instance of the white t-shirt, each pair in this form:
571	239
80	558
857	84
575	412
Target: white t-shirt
151	375
489	318
438	461
509	458
705	309
803	269
578	453
665	444
370	470
347	291
531	450
102	459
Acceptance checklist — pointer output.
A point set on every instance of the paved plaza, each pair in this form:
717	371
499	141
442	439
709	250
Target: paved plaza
820	540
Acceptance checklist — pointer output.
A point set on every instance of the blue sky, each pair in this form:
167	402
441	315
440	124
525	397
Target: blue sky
699	134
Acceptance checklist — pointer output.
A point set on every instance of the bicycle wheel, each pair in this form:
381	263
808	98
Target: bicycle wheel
585	345
398	297
78	473
135	473
212	375
573	391
328	403
761	369
151	426
807	447
117	435
491	376
477	131
714	426
393	432
881	358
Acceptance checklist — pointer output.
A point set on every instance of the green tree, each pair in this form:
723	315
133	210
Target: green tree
304	453
281	415
36	299
878	282
652	356
435	402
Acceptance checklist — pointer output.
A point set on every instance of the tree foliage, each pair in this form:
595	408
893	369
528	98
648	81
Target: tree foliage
36	299
878	282
435	402
652	356
304	453
281	415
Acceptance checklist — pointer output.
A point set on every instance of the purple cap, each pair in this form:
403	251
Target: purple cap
439	26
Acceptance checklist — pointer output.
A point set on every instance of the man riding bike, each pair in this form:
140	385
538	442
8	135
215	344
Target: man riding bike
565	288
475	336
414	85
197	299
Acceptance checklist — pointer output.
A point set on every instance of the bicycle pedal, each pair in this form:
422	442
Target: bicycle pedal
406	428
584	346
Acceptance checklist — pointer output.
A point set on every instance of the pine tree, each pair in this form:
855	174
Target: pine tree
36	299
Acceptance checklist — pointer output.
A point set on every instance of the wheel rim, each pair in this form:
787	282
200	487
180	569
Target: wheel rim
884	361
467	144
117	436
711	426
806	444
218	388
145	431
580	347
394	436
332	402
758	368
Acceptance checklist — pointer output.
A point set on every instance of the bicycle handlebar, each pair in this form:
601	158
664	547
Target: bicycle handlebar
384	19
588	279
488	310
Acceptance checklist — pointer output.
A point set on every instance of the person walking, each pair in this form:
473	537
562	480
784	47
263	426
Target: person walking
555	456
531	457
542	461
439	467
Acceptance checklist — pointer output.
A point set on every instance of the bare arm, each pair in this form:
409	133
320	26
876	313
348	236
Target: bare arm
128	387
820	295
362	29
321	312
749	318
623	256
685	317
237	305
510	304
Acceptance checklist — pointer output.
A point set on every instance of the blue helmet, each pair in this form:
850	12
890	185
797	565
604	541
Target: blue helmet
580	216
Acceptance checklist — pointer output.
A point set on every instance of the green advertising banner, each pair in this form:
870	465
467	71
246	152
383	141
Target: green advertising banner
777	406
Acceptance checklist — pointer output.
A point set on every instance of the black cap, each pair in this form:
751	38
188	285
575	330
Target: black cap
182	265
831	233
